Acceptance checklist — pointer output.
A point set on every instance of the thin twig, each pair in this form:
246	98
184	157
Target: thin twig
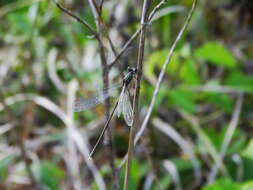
111	151
162	73
101	7
230	131
169	131
157	7
173	171
144	19
127	44
98	36
87	25
71	14
137	32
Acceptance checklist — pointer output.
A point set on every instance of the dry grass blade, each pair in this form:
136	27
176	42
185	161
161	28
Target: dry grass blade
71	158
169	131
52	55
214	88
5	128
165	11
171	168
228	137
75	135
193	121
148	181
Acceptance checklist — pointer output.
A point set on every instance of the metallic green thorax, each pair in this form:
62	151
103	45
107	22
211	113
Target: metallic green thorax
129	76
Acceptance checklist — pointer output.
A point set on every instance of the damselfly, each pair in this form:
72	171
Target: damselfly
123	103
123	106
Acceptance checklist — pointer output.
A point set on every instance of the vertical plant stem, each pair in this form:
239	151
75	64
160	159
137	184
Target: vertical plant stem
228	137
108	138
162	73
144	19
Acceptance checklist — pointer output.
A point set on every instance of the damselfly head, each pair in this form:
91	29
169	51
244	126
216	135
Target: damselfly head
132	69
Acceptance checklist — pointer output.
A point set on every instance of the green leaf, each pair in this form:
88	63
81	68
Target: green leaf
183	99
51	175
189	72
223	184
4	164
248	151
247	167
215	137
240	81
147	94
156	59
217	54
138	170
247	185
182	165
185	51
20	23
222	101
164	182
181	66
218	137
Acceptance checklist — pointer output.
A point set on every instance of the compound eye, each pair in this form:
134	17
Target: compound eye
129	69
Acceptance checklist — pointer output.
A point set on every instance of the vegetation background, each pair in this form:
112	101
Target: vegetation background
199	135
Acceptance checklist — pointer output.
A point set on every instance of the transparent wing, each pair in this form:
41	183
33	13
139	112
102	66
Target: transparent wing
127	109
82	104
121	101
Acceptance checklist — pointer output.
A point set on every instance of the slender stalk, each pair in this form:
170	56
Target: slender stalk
101	7
162	73
111	151
228	137
209	146
83	22
127	44
144	19
137	32
156	8
98	35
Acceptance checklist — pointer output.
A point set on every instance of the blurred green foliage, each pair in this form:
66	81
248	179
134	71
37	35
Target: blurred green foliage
208	56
